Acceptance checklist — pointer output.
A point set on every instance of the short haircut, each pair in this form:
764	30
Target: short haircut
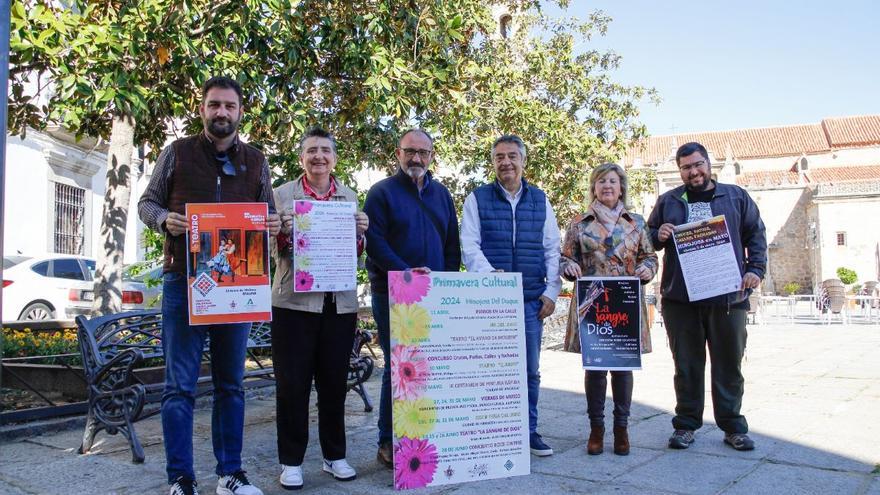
415	129
688	149
510	138
224	83
600	172
319	133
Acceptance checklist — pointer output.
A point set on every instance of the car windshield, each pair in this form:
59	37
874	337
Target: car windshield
10	261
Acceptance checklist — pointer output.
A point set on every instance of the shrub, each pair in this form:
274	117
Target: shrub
26	343
791	288
847	276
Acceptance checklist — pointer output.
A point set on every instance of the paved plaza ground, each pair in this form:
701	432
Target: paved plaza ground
812	401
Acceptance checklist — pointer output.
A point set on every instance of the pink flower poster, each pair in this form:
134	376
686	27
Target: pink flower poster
324	242
458	377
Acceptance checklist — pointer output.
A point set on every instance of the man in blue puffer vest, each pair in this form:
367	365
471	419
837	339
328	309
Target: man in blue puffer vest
509	225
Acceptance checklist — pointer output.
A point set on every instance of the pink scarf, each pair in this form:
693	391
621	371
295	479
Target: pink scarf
607	216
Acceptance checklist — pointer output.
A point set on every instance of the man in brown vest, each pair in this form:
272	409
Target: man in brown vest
213	166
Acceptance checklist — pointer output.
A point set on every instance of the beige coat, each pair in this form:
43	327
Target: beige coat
283	295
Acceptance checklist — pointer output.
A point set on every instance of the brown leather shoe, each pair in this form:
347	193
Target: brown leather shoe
621	440
595	445
385	455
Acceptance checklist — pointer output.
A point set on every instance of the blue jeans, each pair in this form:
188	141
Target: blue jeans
534	331
183	346
383	324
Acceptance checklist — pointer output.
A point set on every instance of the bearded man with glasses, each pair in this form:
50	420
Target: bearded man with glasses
719	322
212	166
413	226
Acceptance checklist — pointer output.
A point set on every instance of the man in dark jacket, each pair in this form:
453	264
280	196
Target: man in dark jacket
509	225
212	166
718	321
413	226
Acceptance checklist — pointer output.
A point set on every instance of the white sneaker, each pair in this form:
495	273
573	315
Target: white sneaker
340	469
236	484
291	477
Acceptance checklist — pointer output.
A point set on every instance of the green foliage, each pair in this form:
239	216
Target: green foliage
791	288
364	70
846	275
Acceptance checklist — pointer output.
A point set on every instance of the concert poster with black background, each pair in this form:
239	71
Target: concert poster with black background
609	326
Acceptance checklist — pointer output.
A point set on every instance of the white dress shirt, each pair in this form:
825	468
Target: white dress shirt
472	254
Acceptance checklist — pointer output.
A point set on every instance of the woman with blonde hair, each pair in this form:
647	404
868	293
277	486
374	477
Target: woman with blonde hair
609	241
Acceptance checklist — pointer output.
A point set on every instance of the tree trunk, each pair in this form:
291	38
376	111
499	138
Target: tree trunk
108	273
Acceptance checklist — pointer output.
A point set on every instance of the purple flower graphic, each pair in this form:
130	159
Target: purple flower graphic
415	463
410	372
302	207
303	280
301	243
408	287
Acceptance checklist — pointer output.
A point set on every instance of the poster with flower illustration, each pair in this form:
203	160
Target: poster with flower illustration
324	250
458	377
227	263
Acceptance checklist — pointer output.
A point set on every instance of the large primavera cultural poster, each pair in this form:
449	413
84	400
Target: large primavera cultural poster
458	377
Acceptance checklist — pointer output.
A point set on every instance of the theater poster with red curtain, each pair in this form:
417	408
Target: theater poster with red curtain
228	263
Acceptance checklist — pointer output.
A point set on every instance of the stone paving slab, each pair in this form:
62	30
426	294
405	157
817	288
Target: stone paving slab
689	472
812	410
780	479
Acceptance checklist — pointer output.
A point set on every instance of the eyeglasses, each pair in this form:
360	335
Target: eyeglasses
423	154
690	166
228	168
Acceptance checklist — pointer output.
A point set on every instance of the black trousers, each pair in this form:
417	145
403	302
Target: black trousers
596	384
307	345
691	328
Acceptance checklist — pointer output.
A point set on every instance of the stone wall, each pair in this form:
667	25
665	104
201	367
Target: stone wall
787	230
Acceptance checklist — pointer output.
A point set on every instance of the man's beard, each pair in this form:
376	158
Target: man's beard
222	128
702	187
415	171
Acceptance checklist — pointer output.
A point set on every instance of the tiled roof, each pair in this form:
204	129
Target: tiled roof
766	142
774	177
850	132
819	175
844	174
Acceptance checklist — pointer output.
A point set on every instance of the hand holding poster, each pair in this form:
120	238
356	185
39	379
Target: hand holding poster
324	246
228	263
458	377
706	257
609	322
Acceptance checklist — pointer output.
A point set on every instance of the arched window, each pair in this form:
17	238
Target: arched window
504	25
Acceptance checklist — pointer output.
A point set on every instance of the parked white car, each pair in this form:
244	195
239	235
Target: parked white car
55	287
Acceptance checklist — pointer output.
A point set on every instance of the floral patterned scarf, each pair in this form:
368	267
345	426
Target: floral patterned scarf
607	216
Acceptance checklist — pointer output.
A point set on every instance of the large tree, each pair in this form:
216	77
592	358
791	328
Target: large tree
364	69
109	72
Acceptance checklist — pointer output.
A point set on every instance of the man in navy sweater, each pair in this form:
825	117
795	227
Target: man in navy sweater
413	226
